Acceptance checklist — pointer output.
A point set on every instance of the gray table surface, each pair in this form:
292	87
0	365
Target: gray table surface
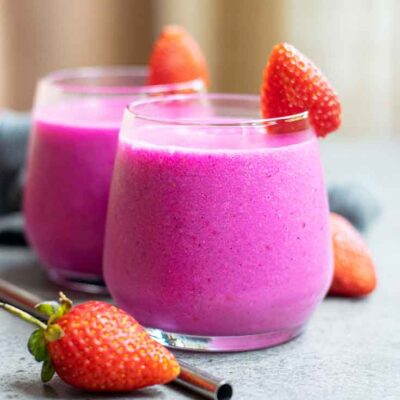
351	349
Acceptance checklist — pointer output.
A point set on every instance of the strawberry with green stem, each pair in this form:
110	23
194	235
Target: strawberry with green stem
96	346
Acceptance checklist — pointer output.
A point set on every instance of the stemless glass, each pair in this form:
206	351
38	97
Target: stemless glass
76	121
217	232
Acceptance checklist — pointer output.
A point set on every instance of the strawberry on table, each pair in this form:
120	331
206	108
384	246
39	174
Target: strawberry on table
293	84
97	347
354	269
176	57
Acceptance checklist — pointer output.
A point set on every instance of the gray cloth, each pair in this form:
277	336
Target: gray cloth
14	132
356	203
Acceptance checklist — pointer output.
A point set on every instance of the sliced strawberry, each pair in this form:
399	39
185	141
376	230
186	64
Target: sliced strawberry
293	84
176	58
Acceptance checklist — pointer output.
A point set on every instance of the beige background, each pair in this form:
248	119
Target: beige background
355	42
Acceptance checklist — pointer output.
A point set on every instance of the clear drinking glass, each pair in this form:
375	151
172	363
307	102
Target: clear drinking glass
76	121
217	232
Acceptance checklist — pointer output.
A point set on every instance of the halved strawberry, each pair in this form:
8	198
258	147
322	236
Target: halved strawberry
293	84
176	58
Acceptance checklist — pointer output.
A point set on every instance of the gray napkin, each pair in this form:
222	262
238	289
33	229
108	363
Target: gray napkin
14	131
356	203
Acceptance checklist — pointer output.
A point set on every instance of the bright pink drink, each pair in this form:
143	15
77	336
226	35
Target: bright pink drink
69	173
76	122
217	231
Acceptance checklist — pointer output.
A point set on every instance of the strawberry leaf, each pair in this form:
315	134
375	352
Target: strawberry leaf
47	370
63	307
37	345
48	308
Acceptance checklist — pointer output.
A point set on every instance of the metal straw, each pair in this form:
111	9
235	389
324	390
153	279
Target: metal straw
203	383
190	378
18	297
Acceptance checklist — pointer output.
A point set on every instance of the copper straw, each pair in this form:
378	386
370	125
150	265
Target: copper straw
190	378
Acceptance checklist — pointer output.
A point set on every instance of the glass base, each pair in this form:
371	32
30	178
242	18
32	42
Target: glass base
181	341
79	282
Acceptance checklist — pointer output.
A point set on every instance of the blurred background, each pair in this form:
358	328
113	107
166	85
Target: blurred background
356	43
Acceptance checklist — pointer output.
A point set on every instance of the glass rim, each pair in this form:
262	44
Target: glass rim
246	122
55	80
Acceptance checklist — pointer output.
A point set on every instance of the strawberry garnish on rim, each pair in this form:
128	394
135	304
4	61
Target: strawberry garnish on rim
176	57
293	84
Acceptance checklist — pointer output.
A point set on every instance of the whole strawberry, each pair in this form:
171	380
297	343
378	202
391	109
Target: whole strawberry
176	57
354	269
292	84
97	347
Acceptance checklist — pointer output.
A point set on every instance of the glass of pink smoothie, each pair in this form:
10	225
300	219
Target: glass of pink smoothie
76	121
217	232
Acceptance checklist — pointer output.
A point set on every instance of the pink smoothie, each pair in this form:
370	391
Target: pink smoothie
207	238
70	164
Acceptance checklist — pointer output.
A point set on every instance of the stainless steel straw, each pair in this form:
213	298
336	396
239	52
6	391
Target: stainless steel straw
18	297
203	383
190	378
